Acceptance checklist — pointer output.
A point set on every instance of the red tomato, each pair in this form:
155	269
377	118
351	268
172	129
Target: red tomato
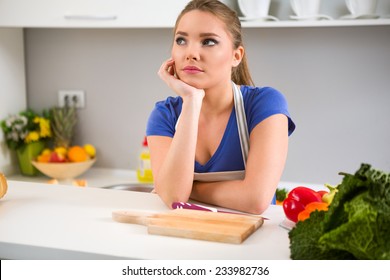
292	208
304	195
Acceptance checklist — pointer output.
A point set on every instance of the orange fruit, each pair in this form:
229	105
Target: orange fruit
3	185
77	154
79	183
43	158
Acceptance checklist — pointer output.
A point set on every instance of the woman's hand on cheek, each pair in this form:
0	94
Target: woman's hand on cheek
167	74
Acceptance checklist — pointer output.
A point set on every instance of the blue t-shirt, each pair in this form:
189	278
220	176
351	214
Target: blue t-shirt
259	103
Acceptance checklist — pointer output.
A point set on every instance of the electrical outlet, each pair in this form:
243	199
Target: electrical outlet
71	97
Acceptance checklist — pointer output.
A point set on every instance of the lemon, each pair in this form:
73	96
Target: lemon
61	150
46	152
90	149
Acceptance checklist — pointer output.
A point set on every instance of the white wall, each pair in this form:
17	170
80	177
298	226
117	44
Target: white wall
12	86
337	83
336	80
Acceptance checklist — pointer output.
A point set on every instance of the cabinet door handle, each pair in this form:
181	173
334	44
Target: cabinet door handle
90	17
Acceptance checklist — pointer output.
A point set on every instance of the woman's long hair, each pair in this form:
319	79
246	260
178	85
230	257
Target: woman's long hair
240	74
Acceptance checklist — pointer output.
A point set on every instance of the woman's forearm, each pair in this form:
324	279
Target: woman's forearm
238	195
175	176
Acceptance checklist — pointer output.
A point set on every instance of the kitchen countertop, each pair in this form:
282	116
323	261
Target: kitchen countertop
96	177
100	177
43	221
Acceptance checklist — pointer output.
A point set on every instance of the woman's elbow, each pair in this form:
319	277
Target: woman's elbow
169	198
257	205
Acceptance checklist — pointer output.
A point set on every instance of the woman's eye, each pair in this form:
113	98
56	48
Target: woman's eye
180	41
209	42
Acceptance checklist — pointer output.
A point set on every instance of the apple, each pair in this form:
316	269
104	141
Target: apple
57	157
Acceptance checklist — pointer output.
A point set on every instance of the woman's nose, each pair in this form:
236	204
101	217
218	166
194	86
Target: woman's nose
192	53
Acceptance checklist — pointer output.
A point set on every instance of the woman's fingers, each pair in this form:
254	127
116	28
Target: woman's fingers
167	74
167	69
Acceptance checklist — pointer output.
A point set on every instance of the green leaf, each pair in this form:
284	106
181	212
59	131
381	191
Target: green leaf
357	224
281	194
304	240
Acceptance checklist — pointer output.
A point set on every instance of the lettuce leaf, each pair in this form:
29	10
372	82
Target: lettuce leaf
356	226
304	241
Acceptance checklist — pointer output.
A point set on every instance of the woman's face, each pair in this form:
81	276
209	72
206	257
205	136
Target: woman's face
203	50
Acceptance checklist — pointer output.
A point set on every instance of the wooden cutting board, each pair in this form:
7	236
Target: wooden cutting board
203	225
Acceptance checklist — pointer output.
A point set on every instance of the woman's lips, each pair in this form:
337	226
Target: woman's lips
192	70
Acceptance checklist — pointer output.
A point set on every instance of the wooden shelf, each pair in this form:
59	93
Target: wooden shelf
315	23
246	24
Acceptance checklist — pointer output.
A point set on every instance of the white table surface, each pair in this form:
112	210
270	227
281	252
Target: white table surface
41	221
100	177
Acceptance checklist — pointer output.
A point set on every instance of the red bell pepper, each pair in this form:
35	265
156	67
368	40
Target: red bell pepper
297	199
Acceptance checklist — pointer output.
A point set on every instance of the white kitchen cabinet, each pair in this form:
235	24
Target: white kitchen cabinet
89	13
125	14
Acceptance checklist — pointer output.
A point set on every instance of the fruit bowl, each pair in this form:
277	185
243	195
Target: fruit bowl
63	170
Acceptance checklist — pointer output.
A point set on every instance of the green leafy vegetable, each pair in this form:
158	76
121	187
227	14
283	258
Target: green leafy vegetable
356	226
281	194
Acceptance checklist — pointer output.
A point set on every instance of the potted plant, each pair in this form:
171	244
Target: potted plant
26	134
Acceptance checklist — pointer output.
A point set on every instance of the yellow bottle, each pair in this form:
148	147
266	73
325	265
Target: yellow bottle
144	171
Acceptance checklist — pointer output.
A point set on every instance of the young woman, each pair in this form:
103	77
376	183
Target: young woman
221	141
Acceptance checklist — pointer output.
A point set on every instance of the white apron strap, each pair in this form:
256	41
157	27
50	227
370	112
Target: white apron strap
241	122
244	142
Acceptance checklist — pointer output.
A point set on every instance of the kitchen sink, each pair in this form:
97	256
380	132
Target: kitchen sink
131	187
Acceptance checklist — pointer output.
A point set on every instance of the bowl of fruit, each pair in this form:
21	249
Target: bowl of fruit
65	163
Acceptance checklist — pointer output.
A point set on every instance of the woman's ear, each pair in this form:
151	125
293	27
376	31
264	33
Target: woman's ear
237	56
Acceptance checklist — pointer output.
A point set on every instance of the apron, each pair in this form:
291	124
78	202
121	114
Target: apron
244	142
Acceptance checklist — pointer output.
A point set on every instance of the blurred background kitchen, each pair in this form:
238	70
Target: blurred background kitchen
335	78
